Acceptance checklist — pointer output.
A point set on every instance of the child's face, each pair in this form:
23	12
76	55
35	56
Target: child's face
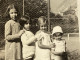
58	36
26	26
43	25
13	14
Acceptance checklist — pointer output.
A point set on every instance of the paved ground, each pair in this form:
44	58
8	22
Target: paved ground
2	54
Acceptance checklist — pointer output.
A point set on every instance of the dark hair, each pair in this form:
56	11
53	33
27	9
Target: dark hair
23	20
11	6
58	33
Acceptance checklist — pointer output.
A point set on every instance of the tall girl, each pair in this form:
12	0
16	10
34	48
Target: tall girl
12	34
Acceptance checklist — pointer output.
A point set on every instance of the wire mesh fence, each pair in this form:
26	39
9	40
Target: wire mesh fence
2	35
64	23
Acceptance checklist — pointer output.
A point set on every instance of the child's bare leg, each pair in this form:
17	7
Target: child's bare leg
52	59
28	59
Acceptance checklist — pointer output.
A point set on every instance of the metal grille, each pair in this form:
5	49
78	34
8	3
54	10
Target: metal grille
2	35
66	24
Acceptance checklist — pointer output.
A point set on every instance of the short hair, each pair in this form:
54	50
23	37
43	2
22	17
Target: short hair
23	20
43	18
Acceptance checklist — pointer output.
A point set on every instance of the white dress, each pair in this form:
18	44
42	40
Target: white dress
59	47
27	50
43	54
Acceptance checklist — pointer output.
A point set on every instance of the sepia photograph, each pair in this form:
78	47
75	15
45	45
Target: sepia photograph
39	29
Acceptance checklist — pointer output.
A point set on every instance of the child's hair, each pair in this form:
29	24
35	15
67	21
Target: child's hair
24	20
43	18
11	6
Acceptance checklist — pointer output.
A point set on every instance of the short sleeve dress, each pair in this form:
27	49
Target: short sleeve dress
12	46
43	54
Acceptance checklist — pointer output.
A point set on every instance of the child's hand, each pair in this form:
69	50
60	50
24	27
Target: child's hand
52	45
21	32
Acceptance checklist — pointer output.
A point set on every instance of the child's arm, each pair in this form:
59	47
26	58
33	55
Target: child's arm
31	39
57	53
8	33
44	46
15	36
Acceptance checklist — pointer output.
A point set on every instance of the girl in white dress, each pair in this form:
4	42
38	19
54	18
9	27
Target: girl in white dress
59	49
28	40
44	45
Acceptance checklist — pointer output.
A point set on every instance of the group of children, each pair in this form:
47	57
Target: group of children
21	43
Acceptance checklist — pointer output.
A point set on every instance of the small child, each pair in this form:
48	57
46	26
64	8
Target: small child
28	40
59	49
44	45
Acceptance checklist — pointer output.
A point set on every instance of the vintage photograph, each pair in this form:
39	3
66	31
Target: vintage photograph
39	29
